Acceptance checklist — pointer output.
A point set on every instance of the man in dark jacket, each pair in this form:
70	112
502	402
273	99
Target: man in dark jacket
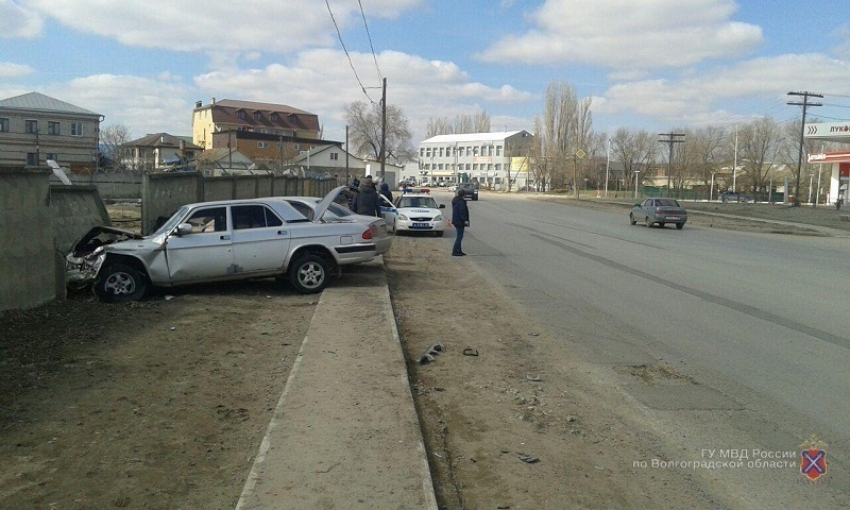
460	220
367	202
385	190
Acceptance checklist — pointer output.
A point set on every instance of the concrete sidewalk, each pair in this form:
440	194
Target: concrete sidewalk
345	433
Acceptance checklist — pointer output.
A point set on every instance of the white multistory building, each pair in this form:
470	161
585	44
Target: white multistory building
489	159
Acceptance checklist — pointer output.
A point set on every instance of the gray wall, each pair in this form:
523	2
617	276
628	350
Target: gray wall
164	193
110	186
28	254
75	210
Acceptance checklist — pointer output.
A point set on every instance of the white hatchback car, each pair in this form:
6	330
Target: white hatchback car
416	212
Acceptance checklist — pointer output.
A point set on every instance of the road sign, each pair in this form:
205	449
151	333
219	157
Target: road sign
580	154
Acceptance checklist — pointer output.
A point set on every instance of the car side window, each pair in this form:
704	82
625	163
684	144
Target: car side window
253	216
646	203
302	208
210	219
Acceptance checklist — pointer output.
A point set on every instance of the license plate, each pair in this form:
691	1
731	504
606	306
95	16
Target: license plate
673	217
420	225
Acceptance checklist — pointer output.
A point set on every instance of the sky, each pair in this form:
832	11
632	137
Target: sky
657	65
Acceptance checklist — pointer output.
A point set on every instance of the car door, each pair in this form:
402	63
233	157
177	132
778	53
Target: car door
388	211
206	252
260	239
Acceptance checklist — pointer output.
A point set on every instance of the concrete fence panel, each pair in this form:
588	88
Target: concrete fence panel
75	210
32	269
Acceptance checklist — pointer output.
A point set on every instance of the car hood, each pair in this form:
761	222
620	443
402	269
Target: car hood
325	203
101	236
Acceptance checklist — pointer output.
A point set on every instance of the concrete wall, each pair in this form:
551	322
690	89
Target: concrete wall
110	186
33	273
75	210
162	194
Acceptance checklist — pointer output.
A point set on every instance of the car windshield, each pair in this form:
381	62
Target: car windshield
418	202
169	225
667	202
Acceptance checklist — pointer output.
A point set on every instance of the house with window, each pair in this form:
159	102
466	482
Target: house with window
35	127
264	123
158	151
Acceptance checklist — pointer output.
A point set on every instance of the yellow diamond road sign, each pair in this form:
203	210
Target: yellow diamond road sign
580	154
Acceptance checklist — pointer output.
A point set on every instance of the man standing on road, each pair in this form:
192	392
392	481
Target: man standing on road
460	220
367	202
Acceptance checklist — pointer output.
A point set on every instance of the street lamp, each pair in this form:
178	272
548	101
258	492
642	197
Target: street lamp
637	172
607	167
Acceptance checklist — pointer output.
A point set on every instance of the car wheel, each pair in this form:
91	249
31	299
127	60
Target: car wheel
680	226
648	223
309	274
632	220
661	224
119	284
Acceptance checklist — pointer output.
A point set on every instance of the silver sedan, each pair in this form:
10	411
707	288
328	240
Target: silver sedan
659	210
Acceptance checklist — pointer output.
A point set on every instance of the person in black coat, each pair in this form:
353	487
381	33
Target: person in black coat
385	190
367	202
460	220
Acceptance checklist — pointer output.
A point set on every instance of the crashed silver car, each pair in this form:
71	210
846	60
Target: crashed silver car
226	240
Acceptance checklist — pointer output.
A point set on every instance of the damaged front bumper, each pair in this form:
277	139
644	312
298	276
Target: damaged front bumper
87	255
82	271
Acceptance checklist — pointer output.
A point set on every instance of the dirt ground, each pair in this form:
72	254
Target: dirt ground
163	403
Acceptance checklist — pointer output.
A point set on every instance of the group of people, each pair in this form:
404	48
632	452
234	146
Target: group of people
365	200
364	196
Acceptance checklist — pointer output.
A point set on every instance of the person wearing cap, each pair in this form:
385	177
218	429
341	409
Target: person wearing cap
367	202
385	190
460	220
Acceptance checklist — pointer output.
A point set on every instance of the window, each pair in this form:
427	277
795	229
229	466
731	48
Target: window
53	128
4	125
262	145
52	155
31	127
212	219
460	152
241	114
274	117
76	129
258	116
32	159
498	150
253	216
334	156
428	152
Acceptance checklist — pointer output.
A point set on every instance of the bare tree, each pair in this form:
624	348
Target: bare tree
438	126
113	141
481	122
758	141
366	125
635	151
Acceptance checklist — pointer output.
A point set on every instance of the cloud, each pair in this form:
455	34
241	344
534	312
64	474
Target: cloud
144	105
628	34
276	26
843	36
17	21
700	98
326	84
9	70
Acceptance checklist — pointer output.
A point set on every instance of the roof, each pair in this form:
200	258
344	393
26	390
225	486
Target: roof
38	101
472	137
163	140
226	112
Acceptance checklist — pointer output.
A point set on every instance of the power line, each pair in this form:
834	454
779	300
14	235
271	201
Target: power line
369	35
339	35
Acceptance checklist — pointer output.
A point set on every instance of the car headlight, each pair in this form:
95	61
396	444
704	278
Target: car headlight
438	217
402	217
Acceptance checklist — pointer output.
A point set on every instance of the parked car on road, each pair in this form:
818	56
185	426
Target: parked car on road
659	210
470	190
732	196
417	212
228	240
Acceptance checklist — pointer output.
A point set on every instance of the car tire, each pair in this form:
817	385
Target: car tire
632	220
309	274
648	223
680	226
118	283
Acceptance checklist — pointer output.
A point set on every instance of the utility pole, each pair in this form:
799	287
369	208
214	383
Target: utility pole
383	129
672	138
805	104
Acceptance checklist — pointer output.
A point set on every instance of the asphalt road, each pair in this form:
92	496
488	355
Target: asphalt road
741	340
